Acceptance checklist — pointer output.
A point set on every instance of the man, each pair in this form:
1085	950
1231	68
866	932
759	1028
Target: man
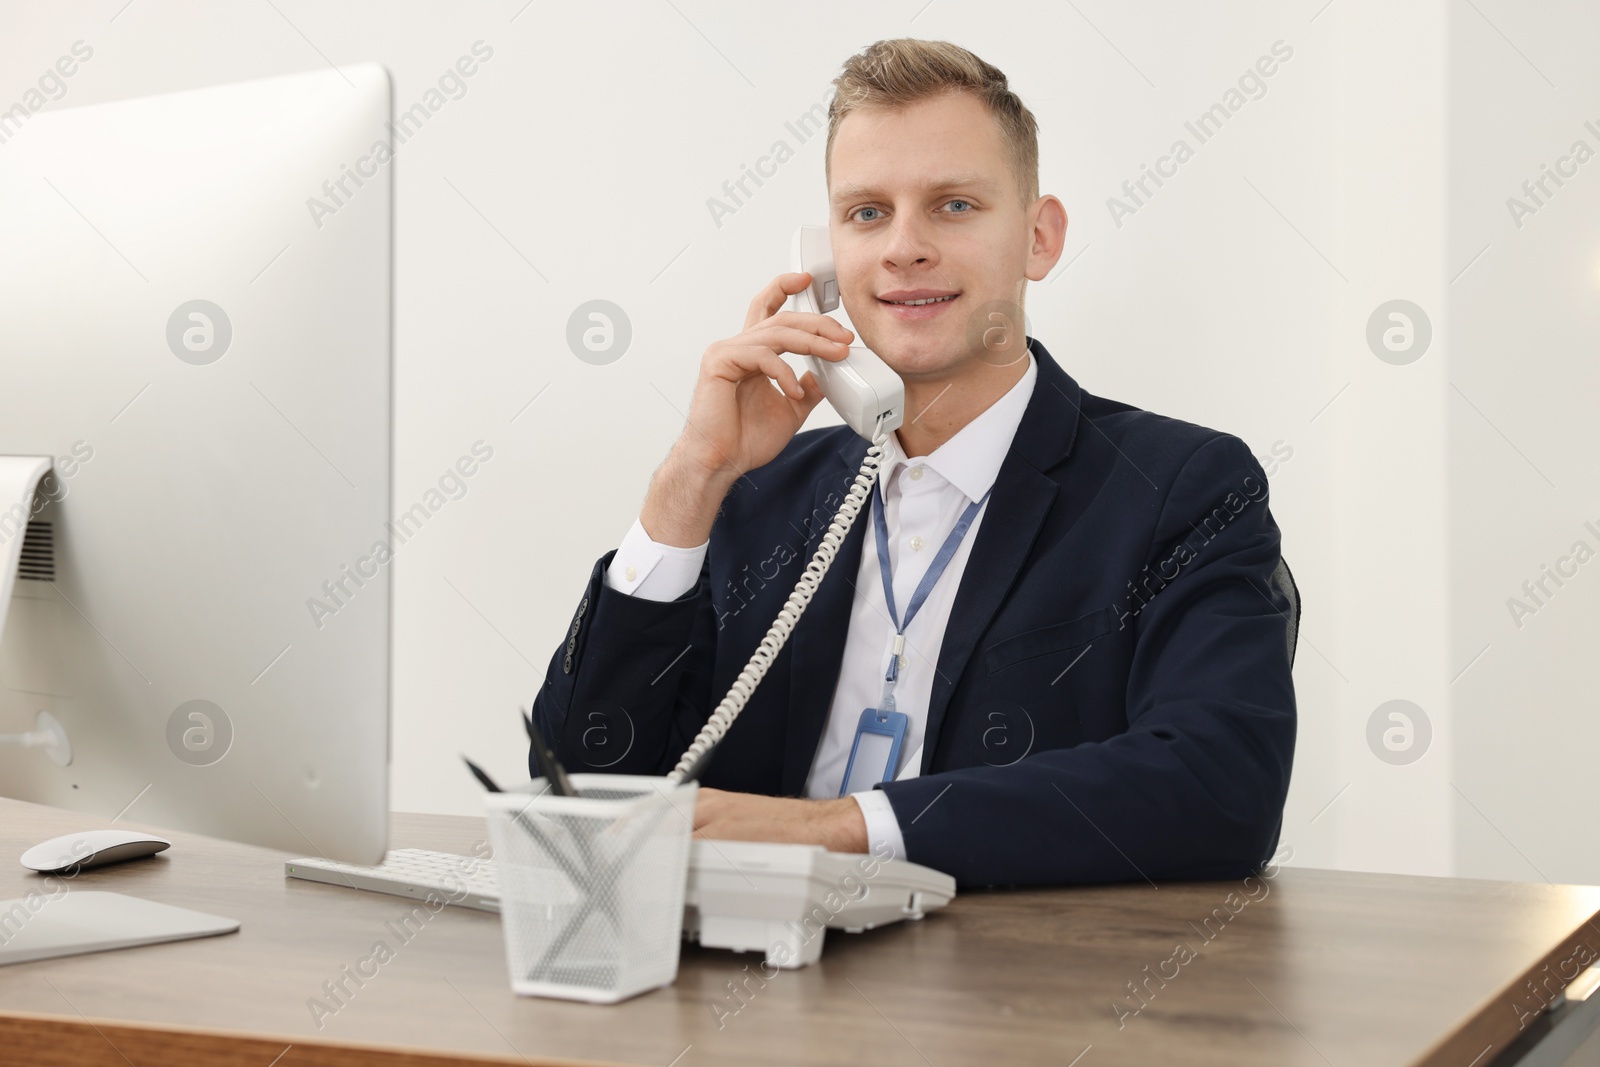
1094	687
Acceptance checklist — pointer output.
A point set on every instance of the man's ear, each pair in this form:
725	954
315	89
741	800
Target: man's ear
1047	236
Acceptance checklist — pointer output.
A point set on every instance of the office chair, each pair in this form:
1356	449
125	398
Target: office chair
1283	578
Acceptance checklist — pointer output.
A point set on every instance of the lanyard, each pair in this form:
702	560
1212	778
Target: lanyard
924	587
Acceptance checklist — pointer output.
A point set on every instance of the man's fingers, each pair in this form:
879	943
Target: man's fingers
802	408
831	327
774	296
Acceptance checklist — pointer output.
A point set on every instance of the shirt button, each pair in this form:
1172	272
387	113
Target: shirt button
916	543
628	573
916	474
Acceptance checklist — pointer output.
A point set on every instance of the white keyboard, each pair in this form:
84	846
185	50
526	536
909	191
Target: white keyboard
465	881
741	895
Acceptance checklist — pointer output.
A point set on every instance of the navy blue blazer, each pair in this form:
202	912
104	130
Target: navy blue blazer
1113	699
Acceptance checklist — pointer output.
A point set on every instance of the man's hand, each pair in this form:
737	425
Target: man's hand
836	824
737	420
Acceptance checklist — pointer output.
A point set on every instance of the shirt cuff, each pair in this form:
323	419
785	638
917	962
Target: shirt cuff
652	570
883	828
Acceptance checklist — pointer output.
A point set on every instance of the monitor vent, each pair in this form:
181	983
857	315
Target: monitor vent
39	552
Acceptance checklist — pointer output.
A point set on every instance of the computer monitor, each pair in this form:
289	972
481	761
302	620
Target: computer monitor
195	329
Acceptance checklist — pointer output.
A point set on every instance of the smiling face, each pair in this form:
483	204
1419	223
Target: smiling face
923	205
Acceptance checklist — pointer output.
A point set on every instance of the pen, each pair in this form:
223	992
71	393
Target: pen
549	766
482	776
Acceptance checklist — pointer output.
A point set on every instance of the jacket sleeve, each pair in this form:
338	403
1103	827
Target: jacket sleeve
630	685
1194	787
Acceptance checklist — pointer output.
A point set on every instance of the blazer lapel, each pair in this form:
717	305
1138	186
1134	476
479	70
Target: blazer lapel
1023	495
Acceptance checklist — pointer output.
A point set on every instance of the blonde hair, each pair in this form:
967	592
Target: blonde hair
897	73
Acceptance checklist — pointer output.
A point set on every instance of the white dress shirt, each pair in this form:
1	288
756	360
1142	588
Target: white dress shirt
922	499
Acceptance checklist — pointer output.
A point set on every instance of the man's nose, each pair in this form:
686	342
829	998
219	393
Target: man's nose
908	245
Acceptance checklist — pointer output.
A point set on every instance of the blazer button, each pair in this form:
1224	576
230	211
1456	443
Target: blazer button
572	645
566	664
574	632
583	606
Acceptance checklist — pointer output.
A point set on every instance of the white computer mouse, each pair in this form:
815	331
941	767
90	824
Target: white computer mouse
92	848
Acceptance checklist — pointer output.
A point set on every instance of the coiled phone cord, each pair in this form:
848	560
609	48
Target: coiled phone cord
778	634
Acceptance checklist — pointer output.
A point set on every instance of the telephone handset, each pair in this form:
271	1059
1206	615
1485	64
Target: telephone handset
861	387
871	399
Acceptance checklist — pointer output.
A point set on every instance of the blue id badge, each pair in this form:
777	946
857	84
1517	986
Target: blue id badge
876	751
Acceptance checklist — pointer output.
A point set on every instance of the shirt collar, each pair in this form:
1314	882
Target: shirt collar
971	459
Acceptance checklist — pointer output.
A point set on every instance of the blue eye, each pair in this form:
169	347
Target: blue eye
967	202
859	210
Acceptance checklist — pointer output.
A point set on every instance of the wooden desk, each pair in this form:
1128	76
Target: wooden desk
1317	967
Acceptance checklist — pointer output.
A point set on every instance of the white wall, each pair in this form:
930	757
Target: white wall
1524	382
1382	442
578	167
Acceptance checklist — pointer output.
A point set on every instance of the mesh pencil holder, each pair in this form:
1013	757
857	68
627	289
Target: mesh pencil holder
592	886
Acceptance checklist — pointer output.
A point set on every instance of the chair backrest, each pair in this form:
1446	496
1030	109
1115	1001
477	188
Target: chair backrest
1283	578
